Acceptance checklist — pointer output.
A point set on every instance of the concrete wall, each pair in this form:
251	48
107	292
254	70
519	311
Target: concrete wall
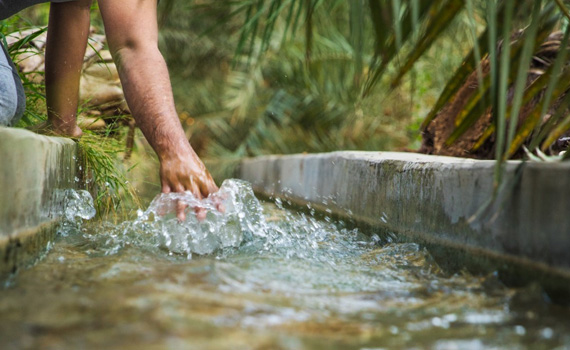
32	170
434	200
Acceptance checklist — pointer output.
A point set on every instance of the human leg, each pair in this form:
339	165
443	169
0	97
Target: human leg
68	31
12	97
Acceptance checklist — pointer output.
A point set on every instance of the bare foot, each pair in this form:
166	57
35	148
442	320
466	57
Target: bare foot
48	129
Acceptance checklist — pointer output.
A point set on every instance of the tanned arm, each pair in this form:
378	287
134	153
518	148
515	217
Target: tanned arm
68	31
132	34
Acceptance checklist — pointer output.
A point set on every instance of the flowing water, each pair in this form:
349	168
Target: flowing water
257	277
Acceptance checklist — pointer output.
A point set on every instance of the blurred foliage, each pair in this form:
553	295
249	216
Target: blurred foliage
303	67
246	91
196	41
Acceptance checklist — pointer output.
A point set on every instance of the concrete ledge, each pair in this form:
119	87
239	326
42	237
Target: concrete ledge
433	200
33	169
25	248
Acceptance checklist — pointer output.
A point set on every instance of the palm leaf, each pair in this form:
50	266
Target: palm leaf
530	42
481	100
533	119
388	50
531	92
471	61
559	63
436	25
556	125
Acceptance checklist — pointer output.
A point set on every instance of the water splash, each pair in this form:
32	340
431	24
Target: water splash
242	227
77	205
241	217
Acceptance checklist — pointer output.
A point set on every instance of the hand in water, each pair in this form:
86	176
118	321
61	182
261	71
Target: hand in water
180	173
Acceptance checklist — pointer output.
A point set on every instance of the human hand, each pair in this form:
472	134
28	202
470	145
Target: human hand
184	171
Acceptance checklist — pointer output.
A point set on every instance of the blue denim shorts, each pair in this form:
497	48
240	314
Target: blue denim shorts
12	97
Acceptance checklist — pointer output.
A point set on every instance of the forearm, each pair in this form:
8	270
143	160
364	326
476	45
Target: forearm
68	31
132	34
146	85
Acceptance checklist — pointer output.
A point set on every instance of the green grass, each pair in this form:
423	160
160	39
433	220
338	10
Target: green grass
106	175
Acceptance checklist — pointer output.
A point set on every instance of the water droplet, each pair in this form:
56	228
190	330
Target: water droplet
520	330
547	333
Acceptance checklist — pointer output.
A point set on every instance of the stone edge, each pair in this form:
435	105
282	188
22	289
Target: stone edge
23	246
500	242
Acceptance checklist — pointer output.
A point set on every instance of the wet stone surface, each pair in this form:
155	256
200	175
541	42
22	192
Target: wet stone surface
288	281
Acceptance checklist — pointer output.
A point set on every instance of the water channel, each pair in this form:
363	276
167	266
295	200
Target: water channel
258	276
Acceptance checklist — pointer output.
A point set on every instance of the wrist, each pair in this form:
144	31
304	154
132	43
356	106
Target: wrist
175	152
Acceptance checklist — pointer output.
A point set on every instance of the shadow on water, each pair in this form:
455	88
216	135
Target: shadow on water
258	277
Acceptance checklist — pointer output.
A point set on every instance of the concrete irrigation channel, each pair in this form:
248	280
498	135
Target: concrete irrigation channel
524	234
443	202
33	168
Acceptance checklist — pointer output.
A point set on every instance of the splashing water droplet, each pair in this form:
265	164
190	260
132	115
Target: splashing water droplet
242	217
240	227
77	205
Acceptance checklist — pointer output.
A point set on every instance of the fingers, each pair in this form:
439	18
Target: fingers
196	191
180	211
207	186
219	205
200	213
180	204
201	187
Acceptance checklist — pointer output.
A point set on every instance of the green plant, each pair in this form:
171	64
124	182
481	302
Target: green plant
197	58
281	97
525	101
114	193
283	105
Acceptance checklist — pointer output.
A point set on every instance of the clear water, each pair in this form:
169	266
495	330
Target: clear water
257	277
